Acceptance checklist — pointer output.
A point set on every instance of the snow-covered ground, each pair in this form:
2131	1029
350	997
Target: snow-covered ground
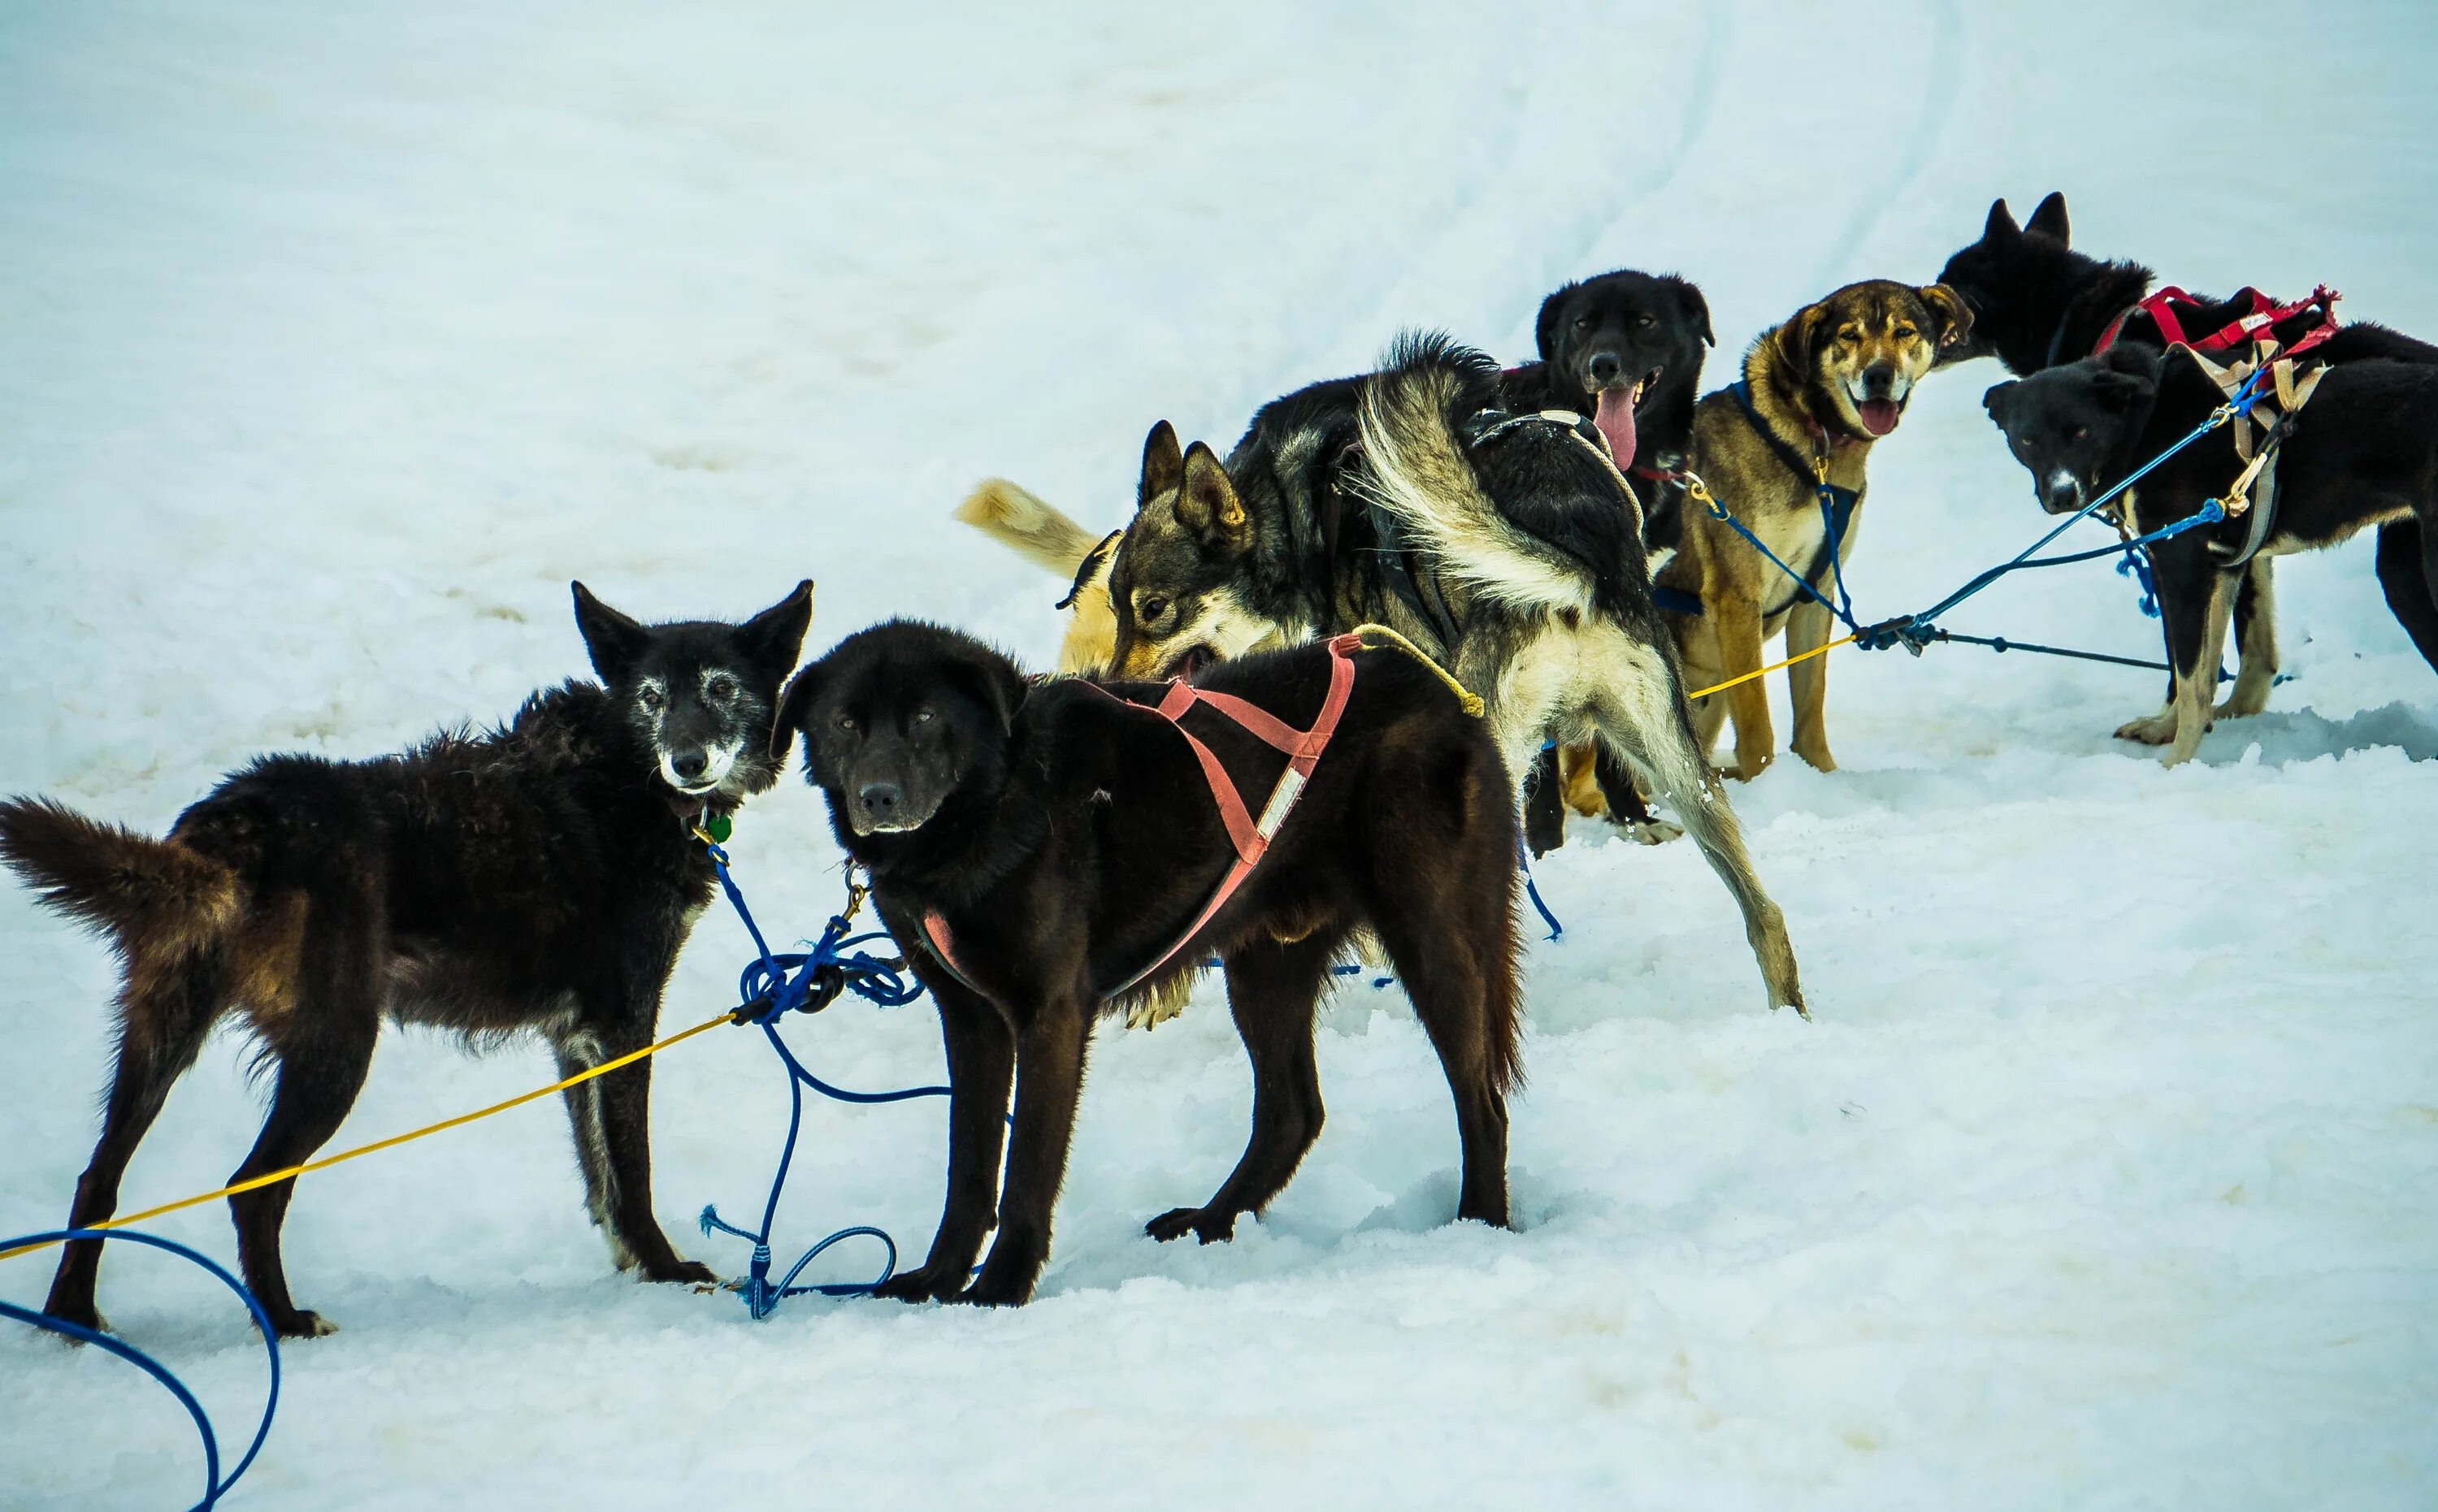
334	340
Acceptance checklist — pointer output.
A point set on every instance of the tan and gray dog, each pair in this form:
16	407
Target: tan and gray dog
1817	392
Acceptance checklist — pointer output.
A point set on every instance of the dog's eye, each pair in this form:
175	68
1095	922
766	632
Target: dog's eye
1906	333
1150	607
1644	323
2079	432
721	688
1848	334
650	698
1582	323
922	716
845	723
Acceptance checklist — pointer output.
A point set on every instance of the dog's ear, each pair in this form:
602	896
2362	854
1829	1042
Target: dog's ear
2117	393
2000	229
1545	329
1948	313
1207	503
1001	688
2048	220
1997	401
795	706
1164	464
611	639
773	637
1696	309
1792	344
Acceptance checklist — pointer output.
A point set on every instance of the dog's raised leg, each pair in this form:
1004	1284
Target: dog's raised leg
1807	629
1273	990
1049	1079
982	1067
2255	642
1646	720
160	1032
625	1117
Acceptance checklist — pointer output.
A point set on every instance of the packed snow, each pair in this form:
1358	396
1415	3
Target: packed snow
339	338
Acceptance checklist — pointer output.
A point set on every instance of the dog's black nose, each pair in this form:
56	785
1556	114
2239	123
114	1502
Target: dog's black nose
690	764
1605	367
880	799
1880	379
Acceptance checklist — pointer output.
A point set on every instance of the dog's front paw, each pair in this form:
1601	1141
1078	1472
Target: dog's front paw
1209	1226
2156	731
926	1283
1815	754
999	1286
299	1323
689	1273
1653	832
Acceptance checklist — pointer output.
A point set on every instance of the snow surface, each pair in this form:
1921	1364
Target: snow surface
338	339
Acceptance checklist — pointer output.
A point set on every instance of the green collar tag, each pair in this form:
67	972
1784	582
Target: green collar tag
718	827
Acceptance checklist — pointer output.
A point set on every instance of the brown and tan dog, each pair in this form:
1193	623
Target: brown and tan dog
1819	389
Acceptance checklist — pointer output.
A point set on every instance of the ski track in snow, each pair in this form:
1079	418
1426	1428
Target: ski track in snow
339	341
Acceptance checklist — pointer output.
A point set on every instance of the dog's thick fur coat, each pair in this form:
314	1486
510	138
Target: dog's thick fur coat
539	878
1061	839
1830	381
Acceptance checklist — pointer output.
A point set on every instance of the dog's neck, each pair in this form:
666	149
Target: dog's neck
1788	411
2114	288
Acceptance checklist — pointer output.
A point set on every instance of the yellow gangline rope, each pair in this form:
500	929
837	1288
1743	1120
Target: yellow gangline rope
325	1162
1818	650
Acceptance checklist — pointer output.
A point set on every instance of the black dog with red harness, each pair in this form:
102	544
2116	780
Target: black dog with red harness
2038	303
1049	853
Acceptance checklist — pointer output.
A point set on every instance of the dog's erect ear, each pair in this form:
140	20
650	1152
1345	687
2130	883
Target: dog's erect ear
2000	229
2049	219
794	706
611	639
2117	393
773	637
1997	400
1948	313
1696	309
1545	328
1164	464
1791	354
1207	503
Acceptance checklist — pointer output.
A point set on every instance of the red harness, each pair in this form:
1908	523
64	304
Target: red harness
2266	313
1249	836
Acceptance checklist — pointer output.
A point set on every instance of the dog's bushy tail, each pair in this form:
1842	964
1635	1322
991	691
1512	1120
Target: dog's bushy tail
150	896
1417	471
1027	525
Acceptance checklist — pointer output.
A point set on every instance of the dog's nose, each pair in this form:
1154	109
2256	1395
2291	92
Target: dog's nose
880	799
1605	367
690	766
2062	495
1879	380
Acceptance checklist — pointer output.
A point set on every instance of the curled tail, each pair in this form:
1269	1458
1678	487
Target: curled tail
149	894
1028	526
1417	471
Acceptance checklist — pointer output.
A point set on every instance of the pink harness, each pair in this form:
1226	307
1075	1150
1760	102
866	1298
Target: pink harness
1249	836
2264	313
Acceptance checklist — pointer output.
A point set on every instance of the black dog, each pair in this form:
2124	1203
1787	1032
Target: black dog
2037	302
2362	451
1035	848
539	877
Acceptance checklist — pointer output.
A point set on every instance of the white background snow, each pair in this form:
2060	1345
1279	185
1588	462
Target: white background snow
333	341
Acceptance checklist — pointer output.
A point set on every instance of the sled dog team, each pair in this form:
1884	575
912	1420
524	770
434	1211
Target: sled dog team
1311	681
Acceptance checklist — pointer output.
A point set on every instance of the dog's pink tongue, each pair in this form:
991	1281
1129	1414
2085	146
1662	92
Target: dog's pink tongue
1878	415
1614	418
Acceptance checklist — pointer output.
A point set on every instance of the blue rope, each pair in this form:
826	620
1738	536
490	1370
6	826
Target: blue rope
771	987
1533	890
215	1485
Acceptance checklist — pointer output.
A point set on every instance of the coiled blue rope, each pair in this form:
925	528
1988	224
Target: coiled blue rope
215	1485
771	987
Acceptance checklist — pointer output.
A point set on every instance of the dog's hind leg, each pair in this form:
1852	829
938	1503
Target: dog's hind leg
161	1026
324	1045
1273	989
2408	575
2256	642
1643	718
1807	629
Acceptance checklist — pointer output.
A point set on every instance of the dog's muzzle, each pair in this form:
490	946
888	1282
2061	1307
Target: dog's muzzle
2063	494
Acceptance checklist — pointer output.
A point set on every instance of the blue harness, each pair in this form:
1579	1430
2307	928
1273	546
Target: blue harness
1836	517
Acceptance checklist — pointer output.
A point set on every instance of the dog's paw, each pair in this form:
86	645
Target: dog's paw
689	1273
300	1324
1008	1288
926	1283
2242	705
2155	731
1202	1224
1816	756
1653	832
